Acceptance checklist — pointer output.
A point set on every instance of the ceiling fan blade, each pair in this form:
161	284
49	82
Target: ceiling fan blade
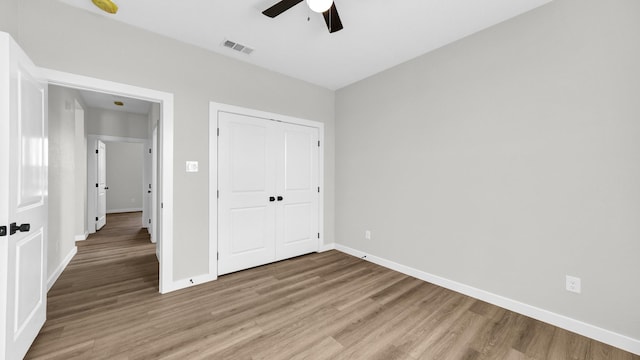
332	19
281	7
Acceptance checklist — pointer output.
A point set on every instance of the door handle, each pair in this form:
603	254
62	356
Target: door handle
280	198
272	198
13	228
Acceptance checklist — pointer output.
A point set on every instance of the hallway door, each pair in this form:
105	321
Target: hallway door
101	186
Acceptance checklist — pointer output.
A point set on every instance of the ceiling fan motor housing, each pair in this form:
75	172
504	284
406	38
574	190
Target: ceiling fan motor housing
319	6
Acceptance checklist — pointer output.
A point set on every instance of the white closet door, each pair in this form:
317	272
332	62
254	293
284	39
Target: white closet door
297	186
246	181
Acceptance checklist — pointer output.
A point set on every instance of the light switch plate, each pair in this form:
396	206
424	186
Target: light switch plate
192	166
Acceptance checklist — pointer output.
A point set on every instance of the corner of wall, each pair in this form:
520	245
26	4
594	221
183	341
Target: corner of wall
53	277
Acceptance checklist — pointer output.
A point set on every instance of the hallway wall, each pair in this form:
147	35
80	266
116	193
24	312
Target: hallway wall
117	123
124	176
63	185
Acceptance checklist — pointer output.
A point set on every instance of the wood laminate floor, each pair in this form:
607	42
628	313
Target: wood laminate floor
106	305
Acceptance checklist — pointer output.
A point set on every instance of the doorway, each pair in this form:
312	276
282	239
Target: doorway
163	227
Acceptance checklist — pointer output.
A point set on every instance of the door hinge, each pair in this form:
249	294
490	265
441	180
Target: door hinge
318	188
218	256
96	218
218	194
318	235
96	185
3	231
161	205
149	221
149	150
96	151
318	143
218	131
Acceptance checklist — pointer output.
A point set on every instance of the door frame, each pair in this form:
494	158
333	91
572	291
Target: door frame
214	109
92	169
166	101
153	207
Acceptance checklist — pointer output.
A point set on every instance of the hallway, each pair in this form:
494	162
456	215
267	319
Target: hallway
112	269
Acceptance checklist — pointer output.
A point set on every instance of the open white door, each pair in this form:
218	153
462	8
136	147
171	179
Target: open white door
101	186
23	201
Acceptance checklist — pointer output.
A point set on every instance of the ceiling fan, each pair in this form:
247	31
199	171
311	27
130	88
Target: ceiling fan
326	7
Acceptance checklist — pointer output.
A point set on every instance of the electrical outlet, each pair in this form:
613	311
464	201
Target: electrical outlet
573	284
367	235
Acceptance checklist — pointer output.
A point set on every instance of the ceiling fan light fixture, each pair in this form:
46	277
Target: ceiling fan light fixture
319	6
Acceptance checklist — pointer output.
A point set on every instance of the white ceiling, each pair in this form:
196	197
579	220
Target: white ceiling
377	34
105	101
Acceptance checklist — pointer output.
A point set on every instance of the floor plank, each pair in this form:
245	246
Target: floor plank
106	305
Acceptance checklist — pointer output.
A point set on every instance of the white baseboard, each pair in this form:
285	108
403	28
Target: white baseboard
82	237
63	265
189	282
591	331
327	247
114	211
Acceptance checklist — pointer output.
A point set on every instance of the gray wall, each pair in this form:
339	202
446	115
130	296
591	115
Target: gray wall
63	184
507	160
124	176
61	37
8	20
117	123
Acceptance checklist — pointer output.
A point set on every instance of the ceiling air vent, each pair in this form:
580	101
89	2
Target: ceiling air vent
237	47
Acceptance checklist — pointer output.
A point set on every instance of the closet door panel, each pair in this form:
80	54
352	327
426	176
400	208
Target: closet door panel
297	213
246	159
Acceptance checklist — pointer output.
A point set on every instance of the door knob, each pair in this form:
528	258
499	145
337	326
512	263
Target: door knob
271	198
13	228
280	198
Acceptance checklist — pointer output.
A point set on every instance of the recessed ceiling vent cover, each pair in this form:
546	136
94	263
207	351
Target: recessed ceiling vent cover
237	47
